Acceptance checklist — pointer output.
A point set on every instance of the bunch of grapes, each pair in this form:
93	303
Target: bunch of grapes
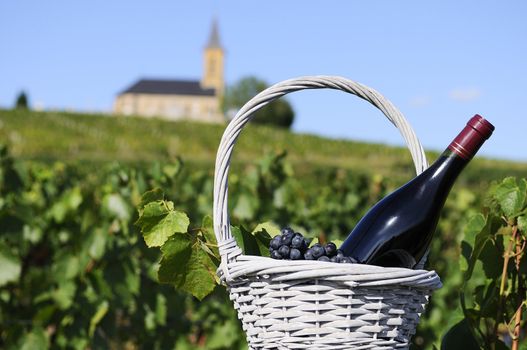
293	246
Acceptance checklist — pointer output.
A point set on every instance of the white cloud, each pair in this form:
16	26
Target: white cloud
465	94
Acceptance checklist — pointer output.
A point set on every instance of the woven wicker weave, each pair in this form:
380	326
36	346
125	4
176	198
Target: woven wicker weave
313	304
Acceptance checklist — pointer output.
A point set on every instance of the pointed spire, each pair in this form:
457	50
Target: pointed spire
214	38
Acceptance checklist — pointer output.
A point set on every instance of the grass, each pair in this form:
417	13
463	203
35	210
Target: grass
96	138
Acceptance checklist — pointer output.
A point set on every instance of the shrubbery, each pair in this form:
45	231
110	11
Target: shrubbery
76	272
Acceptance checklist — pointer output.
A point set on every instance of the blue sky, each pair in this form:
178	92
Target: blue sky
439	62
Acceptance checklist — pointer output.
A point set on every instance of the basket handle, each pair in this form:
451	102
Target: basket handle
229	249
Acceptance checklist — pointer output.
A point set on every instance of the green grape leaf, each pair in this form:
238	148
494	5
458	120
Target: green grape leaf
44	314
522	224
262	240
246	207
161	309
280	197
223	336
66	268
115	205
68	203
151	196
150	319
10	265
352	201
489	302
102	310
252	243
522	185
187	266
466	251
171	170
492	260
176	254
511	196
201	276
35	340
65	294
459	337
270	227
159	221
263	234
473	227
246	240
313	241
97	244
207	229
477	236
338	242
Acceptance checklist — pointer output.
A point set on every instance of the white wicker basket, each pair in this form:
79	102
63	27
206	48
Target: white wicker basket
313	304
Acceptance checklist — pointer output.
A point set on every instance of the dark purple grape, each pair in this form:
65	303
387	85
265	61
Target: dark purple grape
284	251
286	230
271	249
340	253
331	249
297	242
345	260
334	259
323	258
276	242
318	251
295	254
276	255
308	255
286	239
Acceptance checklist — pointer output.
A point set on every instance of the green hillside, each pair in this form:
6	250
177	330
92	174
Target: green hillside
95	138
78	274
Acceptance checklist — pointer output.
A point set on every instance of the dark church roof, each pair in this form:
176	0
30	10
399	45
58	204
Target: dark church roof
169	87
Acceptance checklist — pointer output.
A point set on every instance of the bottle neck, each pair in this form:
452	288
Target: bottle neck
471	138
461	150
446	169
466	144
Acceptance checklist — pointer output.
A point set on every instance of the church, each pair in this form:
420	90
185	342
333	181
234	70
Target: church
180	99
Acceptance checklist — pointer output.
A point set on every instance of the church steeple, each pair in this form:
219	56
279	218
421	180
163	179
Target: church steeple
213	62
214	37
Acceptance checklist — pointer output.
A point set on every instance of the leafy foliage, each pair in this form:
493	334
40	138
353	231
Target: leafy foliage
494	287
159	221
76	273
278	113
22	101
190	258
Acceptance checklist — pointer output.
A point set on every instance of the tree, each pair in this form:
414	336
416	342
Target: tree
278	113
21	101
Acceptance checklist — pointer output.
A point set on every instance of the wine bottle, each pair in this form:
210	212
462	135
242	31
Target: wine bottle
397	231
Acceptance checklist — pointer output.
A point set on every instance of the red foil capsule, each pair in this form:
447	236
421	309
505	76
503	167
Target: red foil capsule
470	139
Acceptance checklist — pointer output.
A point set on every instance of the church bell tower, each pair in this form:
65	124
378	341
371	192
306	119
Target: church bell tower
213	62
